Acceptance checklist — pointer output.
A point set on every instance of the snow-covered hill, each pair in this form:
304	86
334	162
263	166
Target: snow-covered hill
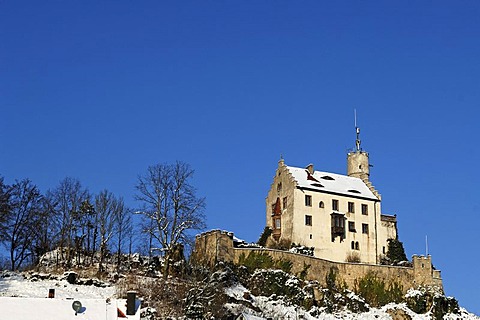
222	289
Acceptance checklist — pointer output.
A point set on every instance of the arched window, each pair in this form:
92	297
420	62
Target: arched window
321	204
353	245
357	246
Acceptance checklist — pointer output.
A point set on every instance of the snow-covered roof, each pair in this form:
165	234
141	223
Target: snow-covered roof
331	183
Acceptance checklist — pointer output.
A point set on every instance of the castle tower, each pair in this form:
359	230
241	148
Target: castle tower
357	160
357	165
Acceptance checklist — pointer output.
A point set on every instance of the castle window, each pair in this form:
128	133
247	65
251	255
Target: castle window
364	209
308	200
321	205
278	223
351	207
284	203
279	187
339	221
310	236
355	245
335	205
338	226
351	226
365	228
383	250
308	220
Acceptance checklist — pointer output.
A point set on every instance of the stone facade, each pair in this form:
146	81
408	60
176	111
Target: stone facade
215	246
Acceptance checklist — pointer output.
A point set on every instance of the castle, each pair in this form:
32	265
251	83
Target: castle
339	215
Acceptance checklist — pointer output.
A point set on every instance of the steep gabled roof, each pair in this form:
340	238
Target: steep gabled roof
331	183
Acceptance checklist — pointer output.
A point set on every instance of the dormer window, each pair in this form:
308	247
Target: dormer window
327	178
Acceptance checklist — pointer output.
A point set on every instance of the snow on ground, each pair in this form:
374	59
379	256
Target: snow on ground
276	308
22	299
59	309
17	286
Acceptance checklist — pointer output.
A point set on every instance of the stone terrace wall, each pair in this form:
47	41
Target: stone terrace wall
216	245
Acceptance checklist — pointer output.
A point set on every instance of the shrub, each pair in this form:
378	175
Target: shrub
308	251
262	241
283	244
424	299
376	292
353	257
304	272
263	261
396	252
333	282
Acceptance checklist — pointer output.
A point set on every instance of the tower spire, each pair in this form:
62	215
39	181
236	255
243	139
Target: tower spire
357	159
357	130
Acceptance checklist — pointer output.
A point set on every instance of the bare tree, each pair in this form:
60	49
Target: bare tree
4	200
45	231
123	228
67	199
89	222
108	209
170	201
22	215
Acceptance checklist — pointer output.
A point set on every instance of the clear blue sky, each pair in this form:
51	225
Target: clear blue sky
99	90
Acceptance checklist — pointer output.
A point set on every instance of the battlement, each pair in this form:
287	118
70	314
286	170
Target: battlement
216	245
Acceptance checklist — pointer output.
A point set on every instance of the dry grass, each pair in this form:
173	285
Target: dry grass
353	257
166	296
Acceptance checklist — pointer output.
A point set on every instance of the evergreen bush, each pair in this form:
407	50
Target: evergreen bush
396	252
262	241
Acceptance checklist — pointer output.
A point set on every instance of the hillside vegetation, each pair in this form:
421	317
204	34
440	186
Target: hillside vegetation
259	287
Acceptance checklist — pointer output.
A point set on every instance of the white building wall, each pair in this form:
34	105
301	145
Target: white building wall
319	235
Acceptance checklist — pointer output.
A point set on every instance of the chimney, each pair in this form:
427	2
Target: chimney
131	297
310	168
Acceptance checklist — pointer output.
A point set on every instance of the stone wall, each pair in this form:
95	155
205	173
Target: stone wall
216	245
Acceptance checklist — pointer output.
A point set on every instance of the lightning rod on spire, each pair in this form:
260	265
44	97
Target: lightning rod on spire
357	130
